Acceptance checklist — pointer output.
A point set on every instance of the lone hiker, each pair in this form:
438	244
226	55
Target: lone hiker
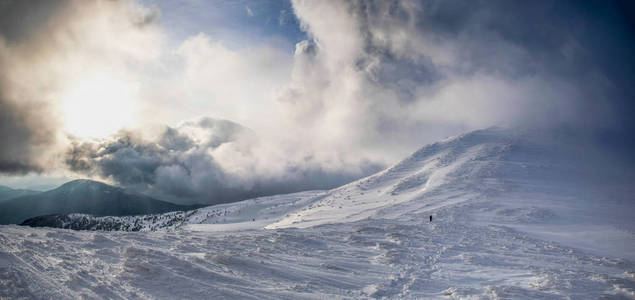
430	218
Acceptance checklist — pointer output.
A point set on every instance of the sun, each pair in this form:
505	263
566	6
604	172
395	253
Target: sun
98	106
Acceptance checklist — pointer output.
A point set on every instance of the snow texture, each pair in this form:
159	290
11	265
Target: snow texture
514	217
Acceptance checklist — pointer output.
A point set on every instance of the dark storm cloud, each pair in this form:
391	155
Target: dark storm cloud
19	20
25	129
513	37
466	65
585	45
181	165
23	135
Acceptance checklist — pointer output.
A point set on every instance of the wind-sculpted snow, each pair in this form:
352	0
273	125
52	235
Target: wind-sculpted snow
408	258
466	164
514	217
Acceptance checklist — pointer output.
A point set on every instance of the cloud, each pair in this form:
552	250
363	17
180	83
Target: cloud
373	81
396	74
23	135
44	47
230	83
203	161
249	12
23	132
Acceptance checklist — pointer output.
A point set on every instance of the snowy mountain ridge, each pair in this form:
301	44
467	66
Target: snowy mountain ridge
516	215
464	164
490	170
519	178
462	161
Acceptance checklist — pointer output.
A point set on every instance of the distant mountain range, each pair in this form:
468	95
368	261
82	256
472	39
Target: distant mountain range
7	193
79	196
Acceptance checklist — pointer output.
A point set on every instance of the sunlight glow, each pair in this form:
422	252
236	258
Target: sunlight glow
98	106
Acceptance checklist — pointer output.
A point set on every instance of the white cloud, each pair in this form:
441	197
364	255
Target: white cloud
249	11
381	78
43	65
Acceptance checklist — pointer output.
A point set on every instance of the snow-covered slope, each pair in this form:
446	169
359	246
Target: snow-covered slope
244	215
516	215
458	169
548	184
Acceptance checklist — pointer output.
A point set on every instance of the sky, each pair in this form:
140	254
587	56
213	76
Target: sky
198	101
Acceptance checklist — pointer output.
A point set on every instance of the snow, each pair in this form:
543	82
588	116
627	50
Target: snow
249	214
515	217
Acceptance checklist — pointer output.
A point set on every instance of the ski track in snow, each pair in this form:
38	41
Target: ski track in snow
501	230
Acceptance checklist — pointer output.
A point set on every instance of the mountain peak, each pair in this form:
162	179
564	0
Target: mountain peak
82	196
85	183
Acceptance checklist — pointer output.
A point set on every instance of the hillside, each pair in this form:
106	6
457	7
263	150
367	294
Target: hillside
7	193
516	215
82	196
542	184
551	185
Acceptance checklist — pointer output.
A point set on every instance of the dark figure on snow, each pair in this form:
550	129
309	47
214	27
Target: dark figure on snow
430	218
